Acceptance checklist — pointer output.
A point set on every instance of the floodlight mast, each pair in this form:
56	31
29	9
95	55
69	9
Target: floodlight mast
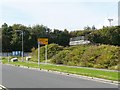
110	20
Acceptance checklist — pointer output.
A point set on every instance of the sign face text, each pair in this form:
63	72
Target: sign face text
43	41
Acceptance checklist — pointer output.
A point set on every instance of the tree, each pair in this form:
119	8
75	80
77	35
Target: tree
107	35
6	37
11	40
87	28
93	27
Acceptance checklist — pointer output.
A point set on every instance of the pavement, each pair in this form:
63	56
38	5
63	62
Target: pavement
18	77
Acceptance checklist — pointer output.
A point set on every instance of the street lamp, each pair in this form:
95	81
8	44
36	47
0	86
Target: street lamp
22	43
110	20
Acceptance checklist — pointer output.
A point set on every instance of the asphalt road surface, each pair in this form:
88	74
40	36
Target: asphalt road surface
17	77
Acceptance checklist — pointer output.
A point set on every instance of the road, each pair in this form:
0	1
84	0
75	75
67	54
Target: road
17	77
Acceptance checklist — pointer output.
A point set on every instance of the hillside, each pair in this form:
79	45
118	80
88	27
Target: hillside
102	56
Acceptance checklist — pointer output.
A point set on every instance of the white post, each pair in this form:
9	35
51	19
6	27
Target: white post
45	53
38	54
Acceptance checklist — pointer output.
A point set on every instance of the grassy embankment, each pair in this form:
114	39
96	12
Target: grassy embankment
94	56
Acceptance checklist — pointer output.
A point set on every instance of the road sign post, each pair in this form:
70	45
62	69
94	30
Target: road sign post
38	54
46	54
42	41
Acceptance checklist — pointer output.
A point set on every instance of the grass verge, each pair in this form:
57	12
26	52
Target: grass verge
79	71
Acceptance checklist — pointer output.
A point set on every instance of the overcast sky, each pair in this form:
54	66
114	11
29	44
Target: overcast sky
59	14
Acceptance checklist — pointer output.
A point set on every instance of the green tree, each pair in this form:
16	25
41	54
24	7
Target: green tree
6	37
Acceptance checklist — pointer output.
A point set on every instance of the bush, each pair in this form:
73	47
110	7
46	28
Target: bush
108	57
52	49
102	56
60	57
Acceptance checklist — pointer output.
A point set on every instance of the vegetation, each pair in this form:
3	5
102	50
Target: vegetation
110	75
52	50
102	56
106	35
102	53
11	39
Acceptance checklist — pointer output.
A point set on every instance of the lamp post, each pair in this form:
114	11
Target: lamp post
22	43
110	20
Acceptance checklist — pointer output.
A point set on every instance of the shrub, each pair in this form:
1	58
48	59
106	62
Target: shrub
60	57
52	50
102	56
97	56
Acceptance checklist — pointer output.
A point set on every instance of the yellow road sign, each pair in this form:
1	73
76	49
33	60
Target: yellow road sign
43	41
